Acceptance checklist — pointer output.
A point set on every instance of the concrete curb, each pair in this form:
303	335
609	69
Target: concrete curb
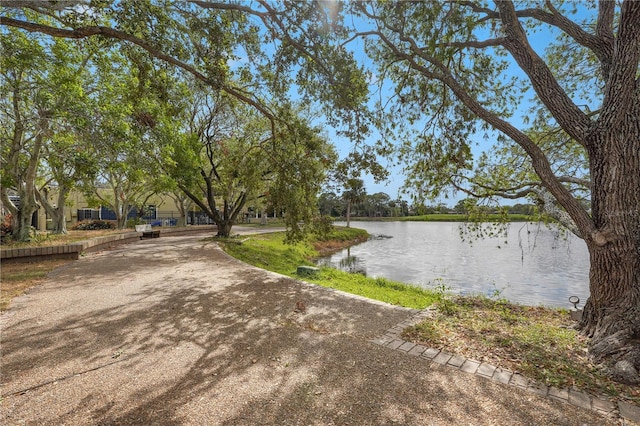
612	409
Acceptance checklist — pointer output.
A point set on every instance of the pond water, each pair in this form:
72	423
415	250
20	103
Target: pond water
535	266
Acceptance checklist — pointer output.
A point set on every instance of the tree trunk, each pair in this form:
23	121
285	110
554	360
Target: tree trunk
58	219
224	228
22	221
121	221
348	213
612	313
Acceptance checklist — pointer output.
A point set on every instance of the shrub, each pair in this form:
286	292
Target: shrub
131	223
6	228
321	227
93	225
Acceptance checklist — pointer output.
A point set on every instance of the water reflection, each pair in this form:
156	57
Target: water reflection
532	265
352	264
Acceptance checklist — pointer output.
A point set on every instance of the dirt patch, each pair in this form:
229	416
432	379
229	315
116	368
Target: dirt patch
16	278
326	248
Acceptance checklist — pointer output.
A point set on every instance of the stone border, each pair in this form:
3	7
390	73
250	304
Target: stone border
73	250
392	340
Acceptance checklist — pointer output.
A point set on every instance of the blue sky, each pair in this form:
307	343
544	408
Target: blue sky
479	143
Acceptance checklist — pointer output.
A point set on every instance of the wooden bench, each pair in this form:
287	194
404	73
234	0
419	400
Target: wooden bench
147	231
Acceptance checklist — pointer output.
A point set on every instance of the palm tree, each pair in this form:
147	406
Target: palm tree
354	192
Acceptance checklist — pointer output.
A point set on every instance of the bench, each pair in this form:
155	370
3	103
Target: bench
147	231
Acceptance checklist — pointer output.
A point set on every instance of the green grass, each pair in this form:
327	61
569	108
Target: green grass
393	292
256	223
537	342
268	251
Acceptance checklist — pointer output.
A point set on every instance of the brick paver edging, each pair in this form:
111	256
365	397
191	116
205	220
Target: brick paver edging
73	250
392	340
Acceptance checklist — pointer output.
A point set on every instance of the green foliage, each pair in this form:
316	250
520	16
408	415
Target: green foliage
269	251
93	225
232	157
535	341
454	81
29	103
321	227
131	223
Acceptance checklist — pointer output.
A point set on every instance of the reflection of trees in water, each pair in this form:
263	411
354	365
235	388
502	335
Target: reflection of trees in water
352	264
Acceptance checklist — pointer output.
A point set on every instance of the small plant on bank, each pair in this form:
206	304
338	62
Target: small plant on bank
322	227
37	237
131	223
445	305
537	342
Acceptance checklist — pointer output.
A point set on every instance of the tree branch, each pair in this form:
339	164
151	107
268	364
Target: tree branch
567	114
538	158
85	32
476	44
604	26
520	191
624	69
39	4
598	45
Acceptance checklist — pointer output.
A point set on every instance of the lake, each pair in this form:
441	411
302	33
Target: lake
536	265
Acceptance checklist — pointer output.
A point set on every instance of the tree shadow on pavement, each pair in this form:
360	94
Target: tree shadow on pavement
236	347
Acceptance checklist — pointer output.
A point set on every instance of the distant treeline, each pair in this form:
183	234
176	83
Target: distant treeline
381	205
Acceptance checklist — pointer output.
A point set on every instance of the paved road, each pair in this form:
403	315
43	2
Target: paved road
172	331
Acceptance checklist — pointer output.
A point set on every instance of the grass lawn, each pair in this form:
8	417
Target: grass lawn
268	251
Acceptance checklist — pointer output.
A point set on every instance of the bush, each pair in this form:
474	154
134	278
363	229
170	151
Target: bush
5	227
321	227
93	225
131	223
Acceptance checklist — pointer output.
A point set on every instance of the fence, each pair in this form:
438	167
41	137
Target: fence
153	217
197	218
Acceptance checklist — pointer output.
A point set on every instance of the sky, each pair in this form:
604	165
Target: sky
480	142
396	178
393	186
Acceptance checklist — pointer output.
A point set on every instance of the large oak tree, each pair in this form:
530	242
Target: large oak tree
464	67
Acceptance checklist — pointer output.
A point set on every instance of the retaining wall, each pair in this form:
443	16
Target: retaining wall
73	250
